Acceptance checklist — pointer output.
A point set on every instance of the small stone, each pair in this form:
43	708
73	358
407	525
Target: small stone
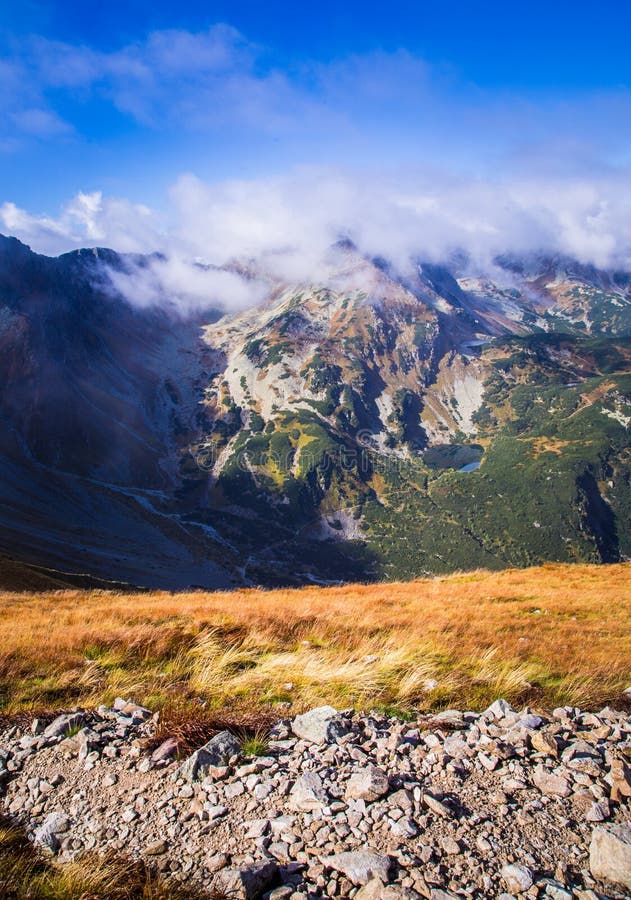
256	828
359	866
498	710
133	711
451	846
319	726
166	750
63	725
248	882
47	835
550	784
217	752
490	763
518	879
215	812
234	790
308	793
544	742
437	806
619	777
610	854
280	851
377	890
369	784
557	892
216	861
157	848
598	812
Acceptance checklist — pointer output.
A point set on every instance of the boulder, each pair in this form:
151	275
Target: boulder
610	854
217	752
319	726
359	866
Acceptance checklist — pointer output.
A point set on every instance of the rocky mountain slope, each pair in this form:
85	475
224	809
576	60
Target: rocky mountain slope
368	425
498	804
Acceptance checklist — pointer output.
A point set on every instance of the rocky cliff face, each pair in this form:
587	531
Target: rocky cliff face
322	434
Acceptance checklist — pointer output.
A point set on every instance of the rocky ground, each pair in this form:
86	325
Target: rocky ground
499	804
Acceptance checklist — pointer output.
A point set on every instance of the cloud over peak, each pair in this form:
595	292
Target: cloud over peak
287	224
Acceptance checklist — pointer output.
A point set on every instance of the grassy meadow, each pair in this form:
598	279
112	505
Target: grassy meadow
549	635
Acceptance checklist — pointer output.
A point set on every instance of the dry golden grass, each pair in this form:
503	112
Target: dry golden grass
546	635
25	875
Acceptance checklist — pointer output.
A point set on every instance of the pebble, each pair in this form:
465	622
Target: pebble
453	805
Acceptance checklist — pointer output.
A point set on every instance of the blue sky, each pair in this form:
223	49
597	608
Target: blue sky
128	103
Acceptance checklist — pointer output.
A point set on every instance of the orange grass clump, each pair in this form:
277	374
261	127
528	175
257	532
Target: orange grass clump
551	634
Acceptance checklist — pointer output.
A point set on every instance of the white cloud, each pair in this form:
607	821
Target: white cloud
287	225
88	219
362	107
184	285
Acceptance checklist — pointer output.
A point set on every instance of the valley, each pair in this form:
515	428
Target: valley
369	427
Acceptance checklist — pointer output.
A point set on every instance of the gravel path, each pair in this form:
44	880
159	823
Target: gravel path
494	805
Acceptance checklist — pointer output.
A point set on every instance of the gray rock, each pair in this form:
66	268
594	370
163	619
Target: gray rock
308	793
134	711
599	812
610	854
359	866
248	882
518	879
216	861
498	710
551	784
377	890
166	750
319	726
256	828
47	835
63	725
217	752
369	784
437	806
557	892
87	741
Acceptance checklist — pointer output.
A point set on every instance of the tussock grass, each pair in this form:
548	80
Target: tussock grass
551	634
191	725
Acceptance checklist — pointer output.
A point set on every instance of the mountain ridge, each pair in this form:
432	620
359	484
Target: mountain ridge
318	435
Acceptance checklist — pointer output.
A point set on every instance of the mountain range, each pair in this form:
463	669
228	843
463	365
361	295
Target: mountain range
365	425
